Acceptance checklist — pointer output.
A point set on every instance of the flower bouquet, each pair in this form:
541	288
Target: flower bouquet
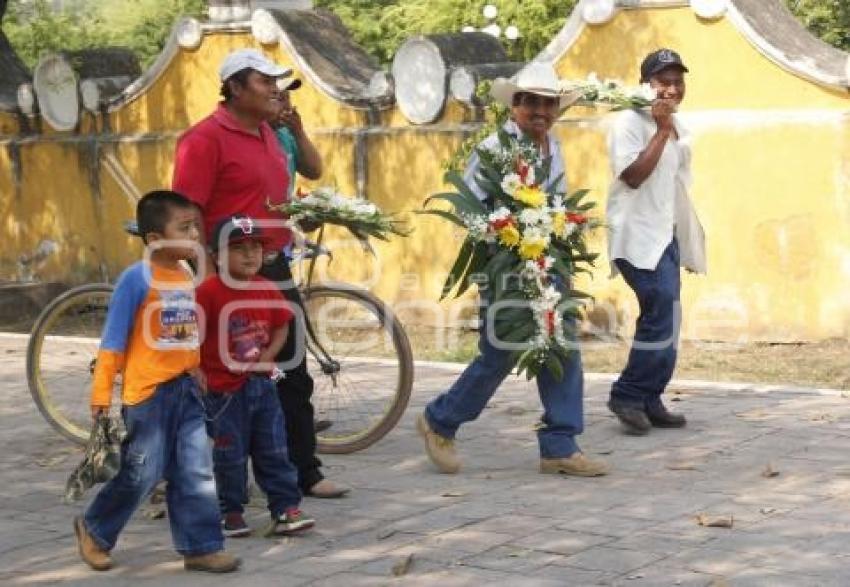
324	205
526	247
610	93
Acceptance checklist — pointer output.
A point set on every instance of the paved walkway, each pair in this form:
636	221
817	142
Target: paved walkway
499	521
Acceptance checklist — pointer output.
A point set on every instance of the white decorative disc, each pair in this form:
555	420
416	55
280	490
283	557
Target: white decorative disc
598	11
709	9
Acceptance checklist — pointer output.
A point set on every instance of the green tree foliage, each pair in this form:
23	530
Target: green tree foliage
828	19
34	28
381	26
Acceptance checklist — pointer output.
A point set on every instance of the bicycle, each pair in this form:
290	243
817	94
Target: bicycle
361	391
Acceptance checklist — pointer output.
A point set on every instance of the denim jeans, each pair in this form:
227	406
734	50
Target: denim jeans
563	416
652	358
247	423
166	438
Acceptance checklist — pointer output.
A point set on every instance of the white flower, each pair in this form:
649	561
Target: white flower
510	183
646	92
531	216
592	78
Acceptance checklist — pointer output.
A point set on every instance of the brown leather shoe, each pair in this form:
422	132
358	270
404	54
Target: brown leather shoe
94	555
633	418
213	562
576	464
440	450
326	489
661	418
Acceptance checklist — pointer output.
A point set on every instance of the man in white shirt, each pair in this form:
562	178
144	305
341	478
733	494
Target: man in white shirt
535	100
653	230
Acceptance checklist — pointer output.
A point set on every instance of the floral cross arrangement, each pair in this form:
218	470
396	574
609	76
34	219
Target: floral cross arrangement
526	246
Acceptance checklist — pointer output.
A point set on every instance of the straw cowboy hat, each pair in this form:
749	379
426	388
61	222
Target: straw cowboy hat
535	78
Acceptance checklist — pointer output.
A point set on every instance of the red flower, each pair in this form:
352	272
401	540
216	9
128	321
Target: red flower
576	218
550	322
502	223
541	262
522	169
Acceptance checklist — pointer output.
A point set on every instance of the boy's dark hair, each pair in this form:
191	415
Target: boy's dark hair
154	210
240	77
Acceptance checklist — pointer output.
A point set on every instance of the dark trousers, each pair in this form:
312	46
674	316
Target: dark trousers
652	358
296	388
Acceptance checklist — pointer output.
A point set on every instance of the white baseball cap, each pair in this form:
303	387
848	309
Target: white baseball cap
253	59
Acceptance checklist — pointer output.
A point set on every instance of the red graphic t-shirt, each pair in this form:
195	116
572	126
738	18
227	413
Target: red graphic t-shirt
238	324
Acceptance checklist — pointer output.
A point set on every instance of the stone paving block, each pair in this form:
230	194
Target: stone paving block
561	542
659	575
511	558
610	560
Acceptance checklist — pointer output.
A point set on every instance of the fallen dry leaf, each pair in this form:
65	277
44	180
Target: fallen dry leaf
384	534
769	472
48	462
767	511
403	566
675	399
682	467
155	513
724	521
453	494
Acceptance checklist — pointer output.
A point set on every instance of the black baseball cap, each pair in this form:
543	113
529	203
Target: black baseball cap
235	229
658	61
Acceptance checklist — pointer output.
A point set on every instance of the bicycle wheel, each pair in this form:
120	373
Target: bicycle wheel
361	363
61	357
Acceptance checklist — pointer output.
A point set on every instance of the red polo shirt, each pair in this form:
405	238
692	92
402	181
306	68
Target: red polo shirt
227	170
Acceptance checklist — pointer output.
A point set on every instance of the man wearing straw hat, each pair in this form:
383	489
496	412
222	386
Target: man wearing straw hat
536	100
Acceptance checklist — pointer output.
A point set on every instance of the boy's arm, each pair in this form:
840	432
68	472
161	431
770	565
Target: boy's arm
129	294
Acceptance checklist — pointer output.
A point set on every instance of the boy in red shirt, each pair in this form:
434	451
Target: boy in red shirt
246	323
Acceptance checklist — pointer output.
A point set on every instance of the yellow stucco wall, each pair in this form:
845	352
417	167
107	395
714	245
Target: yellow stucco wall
771	164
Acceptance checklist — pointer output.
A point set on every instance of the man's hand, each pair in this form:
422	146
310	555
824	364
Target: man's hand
662	111
291	120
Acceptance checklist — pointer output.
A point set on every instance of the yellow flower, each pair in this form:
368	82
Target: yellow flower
559	223
532	247
509	236
530	196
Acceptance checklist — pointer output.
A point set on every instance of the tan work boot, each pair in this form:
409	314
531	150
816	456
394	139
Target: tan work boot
441	450
577	464
213	562
94	555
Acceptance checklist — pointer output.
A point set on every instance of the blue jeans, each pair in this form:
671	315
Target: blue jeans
563	416
247	423
652	358
166	438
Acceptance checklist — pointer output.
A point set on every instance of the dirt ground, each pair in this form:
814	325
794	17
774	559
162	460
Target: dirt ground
817	364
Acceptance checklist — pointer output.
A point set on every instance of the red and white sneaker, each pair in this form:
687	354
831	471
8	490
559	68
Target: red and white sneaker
233	526
292	521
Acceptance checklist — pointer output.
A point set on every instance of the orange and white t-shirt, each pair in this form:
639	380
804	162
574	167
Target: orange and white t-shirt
151	333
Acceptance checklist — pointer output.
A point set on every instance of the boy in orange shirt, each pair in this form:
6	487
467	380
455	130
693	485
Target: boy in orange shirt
151	339
246	324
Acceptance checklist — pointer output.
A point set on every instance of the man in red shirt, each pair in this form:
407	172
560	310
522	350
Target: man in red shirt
230	163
